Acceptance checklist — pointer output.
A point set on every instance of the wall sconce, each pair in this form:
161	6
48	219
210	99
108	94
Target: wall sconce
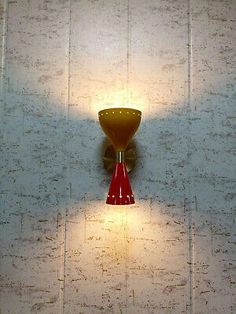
120	124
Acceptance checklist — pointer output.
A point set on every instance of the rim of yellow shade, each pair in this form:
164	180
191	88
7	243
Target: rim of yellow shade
128	110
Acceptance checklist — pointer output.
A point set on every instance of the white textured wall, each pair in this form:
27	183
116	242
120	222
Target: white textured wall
62	249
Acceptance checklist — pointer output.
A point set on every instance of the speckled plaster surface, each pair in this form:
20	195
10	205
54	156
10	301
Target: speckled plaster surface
62	249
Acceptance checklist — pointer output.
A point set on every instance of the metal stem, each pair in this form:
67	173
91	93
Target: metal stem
120	156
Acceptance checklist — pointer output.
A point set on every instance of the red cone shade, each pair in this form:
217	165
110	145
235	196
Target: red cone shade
120	192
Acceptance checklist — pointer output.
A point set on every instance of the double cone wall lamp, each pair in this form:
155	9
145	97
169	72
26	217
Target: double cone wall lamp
120	124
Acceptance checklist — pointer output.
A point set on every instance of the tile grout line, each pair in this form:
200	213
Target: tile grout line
125	227
128	46
64	265
189	172
69	61
128	56
4	32
64	227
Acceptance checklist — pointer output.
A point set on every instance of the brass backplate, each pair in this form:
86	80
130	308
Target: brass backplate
109	156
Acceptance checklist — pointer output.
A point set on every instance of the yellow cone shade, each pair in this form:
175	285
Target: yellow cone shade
119	124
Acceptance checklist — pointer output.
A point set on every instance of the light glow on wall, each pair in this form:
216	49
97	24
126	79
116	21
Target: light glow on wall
118	98
151	99
115	235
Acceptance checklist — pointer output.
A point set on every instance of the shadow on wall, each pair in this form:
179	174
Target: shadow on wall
62	248
52	158
52	167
